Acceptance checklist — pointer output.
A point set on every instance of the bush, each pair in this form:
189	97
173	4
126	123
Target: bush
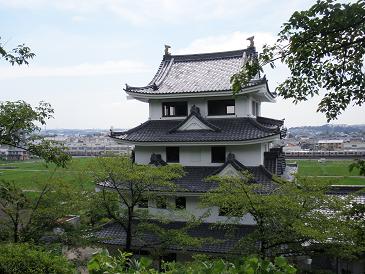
24	258
124	263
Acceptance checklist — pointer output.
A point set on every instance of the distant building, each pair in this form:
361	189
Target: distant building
13	154
95	145
354	145
330	145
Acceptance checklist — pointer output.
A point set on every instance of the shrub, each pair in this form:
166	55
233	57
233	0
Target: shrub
124	263
24	258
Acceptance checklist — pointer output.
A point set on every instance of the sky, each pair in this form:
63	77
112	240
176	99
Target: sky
87	50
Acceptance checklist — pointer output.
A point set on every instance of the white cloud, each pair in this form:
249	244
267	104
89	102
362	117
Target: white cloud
232	41
86	69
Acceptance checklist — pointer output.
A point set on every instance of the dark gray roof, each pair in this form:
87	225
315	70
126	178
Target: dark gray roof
269	122
196	73
226	238
194	179
227	129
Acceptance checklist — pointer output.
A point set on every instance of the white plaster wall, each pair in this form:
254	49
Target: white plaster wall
196	156
143	154
194	208
250	155
155	109
249	101
243	106
201	103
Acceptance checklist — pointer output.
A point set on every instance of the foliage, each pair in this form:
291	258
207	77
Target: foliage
102	262
324	49
358	164
294	218
130	184
18	123
124	263
28	216
19	55
24	259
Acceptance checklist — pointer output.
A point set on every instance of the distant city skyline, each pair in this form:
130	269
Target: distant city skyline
87	50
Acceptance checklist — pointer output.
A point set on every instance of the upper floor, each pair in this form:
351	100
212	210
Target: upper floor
211	107
203	80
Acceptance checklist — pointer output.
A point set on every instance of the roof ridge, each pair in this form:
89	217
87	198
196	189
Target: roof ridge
208	55
135	128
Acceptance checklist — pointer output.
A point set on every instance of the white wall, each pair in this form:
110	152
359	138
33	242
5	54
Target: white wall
250	155
143	154
243	106
193	208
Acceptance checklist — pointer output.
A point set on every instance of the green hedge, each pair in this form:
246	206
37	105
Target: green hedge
24	258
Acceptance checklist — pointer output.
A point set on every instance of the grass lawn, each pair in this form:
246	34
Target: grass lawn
330	168
31	175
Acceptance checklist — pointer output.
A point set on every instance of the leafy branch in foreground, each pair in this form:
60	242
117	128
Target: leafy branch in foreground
324	49
19	55
19	122
125	185
294	218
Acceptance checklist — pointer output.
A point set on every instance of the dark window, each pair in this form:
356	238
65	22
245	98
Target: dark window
174	109
161	202
180	202
221	107
143	203
218	154
172	154
223	211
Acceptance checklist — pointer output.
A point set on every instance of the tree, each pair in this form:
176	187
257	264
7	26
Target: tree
324	49
126	185
293	218
19	123
18	120
358	164
19	55
27	216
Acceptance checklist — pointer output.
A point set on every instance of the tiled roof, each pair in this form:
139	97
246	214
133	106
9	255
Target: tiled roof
196	113
224	238
231	129
269	122
194	179
196	73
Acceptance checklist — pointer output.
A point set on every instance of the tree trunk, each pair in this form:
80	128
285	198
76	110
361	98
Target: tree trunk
128	240
16	234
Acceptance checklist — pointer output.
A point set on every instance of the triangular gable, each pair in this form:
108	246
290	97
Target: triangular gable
231	171
193	123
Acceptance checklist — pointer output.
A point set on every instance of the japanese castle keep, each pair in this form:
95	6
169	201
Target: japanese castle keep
195	120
